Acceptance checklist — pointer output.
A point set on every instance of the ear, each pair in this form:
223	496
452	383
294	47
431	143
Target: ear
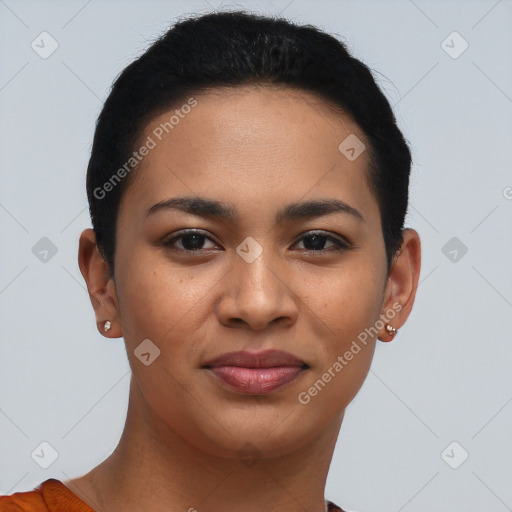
100	285
402	283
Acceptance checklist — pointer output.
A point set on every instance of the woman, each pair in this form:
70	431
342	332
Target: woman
248	187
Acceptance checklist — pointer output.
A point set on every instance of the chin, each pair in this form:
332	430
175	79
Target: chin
257	435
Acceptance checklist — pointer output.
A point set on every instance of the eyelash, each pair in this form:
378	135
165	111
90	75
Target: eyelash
339	244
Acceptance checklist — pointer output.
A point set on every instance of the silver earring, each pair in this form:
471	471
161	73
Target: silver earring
107	325
390	330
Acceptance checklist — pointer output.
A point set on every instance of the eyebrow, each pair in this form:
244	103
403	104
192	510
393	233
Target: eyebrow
294	211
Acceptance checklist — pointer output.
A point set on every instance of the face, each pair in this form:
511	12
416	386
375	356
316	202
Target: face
278	247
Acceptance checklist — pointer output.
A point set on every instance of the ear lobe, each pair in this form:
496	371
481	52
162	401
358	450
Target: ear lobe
402	283
100	285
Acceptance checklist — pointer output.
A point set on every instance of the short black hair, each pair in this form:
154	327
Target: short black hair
237	48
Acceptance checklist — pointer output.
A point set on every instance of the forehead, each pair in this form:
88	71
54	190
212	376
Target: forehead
247	141
277	118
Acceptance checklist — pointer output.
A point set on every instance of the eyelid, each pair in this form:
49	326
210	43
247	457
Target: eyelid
184	232
341	242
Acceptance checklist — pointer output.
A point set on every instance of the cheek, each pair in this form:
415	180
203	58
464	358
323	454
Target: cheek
350	299
156	294
161	305
348	307
167	304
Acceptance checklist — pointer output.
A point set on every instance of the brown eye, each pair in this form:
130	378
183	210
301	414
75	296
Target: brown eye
191	241
315	242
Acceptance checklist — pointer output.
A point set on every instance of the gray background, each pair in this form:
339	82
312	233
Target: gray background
447	375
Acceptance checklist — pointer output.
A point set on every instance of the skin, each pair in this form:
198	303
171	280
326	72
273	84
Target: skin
180	449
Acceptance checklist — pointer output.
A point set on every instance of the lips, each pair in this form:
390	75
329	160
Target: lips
256	372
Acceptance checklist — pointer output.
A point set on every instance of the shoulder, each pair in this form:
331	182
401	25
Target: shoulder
51	496
29	501
331	507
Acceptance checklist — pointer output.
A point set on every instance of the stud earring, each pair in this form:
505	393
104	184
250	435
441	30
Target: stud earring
107	325
390	330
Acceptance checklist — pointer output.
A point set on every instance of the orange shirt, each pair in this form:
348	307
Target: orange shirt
53	496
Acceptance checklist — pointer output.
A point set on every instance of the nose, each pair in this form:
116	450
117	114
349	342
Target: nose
257	294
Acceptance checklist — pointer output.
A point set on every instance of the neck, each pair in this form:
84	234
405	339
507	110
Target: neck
154	469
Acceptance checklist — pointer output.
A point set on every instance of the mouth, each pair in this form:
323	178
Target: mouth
256	373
